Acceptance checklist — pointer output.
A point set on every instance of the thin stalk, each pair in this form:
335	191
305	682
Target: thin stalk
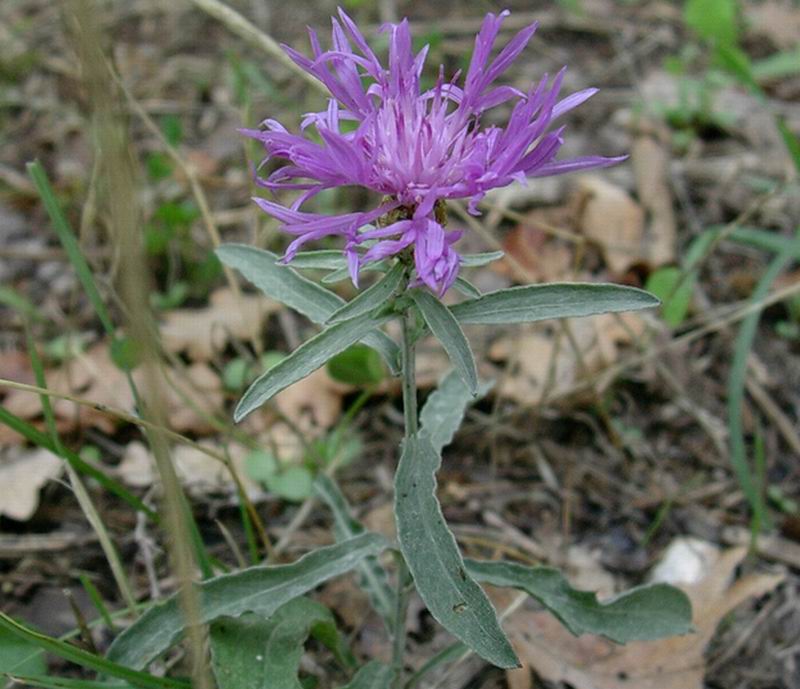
408	373
400	613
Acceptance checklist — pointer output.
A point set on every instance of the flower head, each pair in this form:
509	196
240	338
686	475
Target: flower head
415	147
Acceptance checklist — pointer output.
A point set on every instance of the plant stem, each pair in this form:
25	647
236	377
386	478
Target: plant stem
408	372
401	608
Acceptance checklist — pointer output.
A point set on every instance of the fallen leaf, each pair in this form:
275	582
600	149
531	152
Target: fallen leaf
778	20
203	332
547	364
198	471
22	475
314	403
192	395
614	221
592	662
533	254
650	160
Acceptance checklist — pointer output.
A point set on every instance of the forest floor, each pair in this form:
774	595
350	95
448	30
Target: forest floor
604	444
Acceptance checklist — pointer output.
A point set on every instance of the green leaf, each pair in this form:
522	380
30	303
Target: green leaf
675	291
373	675
88	660
433	558
261	465
373	575
304	360
531	303
476	260
256	653
778	65
466	288
357	365
737	380
324	259
281	283
293	483
19	656
260	590
48	682
344	273
446	329
70	243
641	614
444	409
790	140
713	20
371	298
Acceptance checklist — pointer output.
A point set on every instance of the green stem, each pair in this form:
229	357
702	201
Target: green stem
408	372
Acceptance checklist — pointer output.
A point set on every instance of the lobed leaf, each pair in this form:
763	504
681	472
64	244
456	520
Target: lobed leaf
260	590
531	303
430	550
641	614
446	329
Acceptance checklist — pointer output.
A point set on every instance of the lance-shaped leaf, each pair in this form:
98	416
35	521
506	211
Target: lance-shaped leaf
475	260
281	283
304	360
446	329
467	288
373	675
251	652
260	590
324	259
444	409
371	298
558	300
433	558
346	526
641	614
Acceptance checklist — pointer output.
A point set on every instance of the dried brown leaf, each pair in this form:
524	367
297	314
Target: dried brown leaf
203	332
22	475
614	221
549	364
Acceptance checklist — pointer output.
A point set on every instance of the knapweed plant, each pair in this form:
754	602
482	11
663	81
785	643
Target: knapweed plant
413	149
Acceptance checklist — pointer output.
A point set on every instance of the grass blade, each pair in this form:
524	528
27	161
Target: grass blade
89	660
70	243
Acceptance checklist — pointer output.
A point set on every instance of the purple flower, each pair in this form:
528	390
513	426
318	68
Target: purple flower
416	148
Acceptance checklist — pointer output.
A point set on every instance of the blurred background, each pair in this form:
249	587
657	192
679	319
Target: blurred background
605	442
